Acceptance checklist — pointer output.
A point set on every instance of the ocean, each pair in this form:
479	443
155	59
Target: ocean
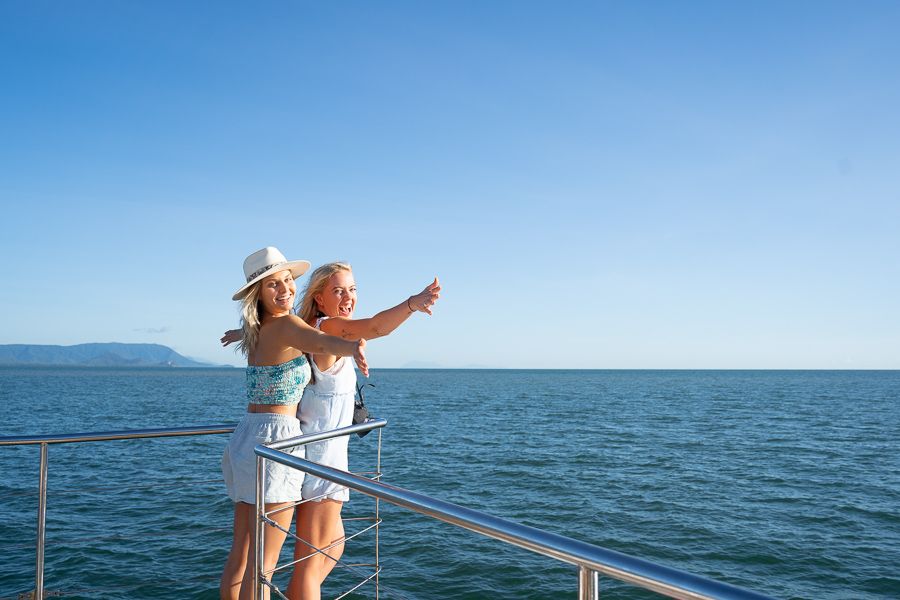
784	482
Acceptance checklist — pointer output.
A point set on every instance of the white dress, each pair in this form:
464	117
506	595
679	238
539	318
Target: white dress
327	404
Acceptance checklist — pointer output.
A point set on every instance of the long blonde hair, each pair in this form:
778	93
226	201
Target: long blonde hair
309	309
250	321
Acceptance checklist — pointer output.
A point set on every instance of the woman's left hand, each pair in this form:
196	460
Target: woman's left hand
424	300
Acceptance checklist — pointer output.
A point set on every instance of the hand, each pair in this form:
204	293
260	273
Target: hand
231	336
360	357
424	300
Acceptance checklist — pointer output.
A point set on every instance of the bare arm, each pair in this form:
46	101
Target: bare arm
297	334
386	321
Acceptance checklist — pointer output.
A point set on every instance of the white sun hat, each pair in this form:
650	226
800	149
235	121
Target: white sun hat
265	262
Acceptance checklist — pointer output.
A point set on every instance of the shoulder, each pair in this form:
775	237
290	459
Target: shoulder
287	323
294	321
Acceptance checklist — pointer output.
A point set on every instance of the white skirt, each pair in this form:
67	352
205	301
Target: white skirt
283	483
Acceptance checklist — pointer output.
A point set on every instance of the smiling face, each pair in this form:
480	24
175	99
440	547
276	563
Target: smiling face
276	293
338	297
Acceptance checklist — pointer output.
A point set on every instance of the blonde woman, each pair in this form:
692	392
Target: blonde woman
328	305
275	341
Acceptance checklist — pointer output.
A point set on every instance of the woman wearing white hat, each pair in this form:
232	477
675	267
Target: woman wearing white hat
275	342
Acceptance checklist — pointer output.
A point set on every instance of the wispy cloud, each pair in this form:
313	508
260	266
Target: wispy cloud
151	329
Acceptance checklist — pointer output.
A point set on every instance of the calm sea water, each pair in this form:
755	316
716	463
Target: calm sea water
786	482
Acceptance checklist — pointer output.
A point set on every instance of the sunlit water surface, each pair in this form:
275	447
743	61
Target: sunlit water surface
786	482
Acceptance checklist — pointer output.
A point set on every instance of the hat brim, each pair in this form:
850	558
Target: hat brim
296	267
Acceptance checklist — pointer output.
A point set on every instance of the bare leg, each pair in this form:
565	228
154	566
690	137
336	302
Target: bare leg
230	586
243	588
320	524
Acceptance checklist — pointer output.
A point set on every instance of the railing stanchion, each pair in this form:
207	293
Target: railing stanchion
588	584
41	526
259	536
377	517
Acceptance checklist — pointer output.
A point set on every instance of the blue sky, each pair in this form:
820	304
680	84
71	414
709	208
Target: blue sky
598	185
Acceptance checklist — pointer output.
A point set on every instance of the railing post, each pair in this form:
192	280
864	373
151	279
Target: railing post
377	517
259	539
41	526
588	584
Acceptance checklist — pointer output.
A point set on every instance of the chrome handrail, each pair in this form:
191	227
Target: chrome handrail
589	558
69	438
103	436
309	438
259	581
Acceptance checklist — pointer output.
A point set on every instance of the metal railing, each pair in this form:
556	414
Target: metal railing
261	580
45	440
591	560
72	438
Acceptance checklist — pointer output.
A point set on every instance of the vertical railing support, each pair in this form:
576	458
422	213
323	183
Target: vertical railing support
377	517
259	537
41	526
588	584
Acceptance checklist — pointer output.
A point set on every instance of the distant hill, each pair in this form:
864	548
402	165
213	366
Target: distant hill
96	355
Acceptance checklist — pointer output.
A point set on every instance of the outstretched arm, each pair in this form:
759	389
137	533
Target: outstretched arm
297	334
387	320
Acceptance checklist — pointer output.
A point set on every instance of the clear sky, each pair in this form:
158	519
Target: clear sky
597	184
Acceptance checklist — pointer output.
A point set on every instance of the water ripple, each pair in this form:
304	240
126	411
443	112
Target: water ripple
783	482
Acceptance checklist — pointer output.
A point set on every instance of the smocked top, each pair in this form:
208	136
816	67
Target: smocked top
278	384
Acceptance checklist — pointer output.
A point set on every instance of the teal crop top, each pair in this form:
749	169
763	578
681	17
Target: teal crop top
278	384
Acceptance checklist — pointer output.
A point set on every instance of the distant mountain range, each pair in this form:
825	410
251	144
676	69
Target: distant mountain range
96	355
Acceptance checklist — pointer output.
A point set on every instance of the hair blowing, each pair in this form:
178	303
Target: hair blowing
309	309
250	320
